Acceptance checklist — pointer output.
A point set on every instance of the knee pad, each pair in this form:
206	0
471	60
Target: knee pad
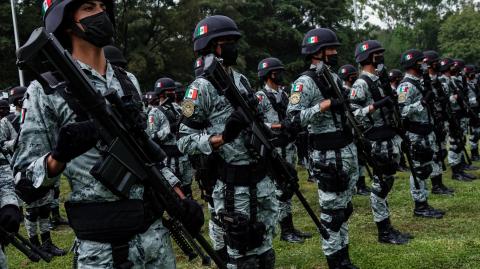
32	214
386	185
44	211
338	218
267	260
423	172
246	262
348	211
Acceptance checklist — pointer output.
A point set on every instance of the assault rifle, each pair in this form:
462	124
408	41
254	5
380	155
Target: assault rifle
130	156
437	122
23	245
262	139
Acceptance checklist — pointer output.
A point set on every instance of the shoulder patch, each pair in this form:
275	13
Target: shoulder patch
192	93
188	107
295	98
404	89
24	113
353	92
297	87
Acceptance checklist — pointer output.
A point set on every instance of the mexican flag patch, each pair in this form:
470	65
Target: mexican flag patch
312	40
264	65
192	93
202	30
24	113
364	47
297	87
46	4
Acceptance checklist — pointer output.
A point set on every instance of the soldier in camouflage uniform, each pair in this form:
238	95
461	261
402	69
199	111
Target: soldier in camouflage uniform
432	59
59	139
373	106
349	74
273	102
162	127
455	154
243	197
10	214
333	155
473	100
416	105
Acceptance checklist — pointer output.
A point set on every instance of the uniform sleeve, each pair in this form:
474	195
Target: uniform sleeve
196	108
8	135
408	99
265	107
158	126
305	100
37	137
472	97
7	189
358	99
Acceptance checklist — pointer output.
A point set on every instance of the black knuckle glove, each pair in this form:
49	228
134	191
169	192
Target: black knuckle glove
234	126
73	140
192	217
9	220
385	102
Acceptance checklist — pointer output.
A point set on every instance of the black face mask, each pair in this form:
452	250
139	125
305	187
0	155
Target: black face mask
278	79
229	53
377	60
436	67
353	79
332	60
170	95
98	29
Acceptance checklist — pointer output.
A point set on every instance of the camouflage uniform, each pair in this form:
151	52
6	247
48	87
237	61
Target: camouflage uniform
472	100
45	115
385	151
412	109
305	101
202	103
7	193
289	152
158	128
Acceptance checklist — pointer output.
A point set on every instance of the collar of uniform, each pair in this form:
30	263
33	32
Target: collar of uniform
270	89
410	76
373	77
346	87
90	71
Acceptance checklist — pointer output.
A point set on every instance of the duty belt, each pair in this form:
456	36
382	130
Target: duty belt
419	128
330	141
381	133
243	175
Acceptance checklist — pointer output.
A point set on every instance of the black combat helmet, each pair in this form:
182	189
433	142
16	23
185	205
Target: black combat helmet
459	64
16	94
410	58
4	108
346	71
470	70
367	48
446	64
395	75
213	27
115	56
431	57
267	65
317	39
163	85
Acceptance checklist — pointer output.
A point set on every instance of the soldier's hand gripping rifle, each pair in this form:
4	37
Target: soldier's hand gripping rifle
23	245
262	139
437	122
130	156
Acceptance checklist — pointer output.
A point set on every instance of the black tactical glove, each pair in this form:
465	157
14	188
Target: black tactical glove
74	139
427	98
292	126
9	220
336	104
192	217
234	125
385	102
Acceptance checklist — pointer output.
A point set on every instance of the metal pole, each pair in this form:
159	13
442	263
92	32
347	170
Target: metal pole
17	42
355	11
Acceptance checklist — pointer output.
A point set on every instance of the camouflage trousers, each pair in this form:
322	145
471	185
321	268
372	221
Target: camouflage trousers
386	153
290	155
215	230
182	168
150	250
3	260
474	137
424	168
37	216
335	204
266	213
455	150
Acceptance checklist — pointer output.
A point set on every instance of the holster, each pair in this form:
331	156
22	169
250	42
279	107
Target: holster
330	176
421	153
207	169
241	233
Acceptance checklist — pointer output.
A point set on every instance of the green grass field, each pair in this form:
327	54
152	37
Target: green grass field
452	242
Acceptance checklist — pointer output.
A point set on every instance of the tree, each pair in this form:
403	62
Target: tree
458	35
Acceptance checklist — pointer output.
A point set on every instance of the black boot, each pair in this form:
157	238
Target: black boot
439	188
34	240
362	188
335	260
423	209
388	235
266	260
223	254
301	234
458	174
346	263
48	246
475	156
287	232
57	220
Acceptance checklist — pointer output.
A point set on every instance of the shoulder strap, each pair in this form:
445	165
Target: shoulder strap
320	84
372	87
126	83
279	107
415	83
